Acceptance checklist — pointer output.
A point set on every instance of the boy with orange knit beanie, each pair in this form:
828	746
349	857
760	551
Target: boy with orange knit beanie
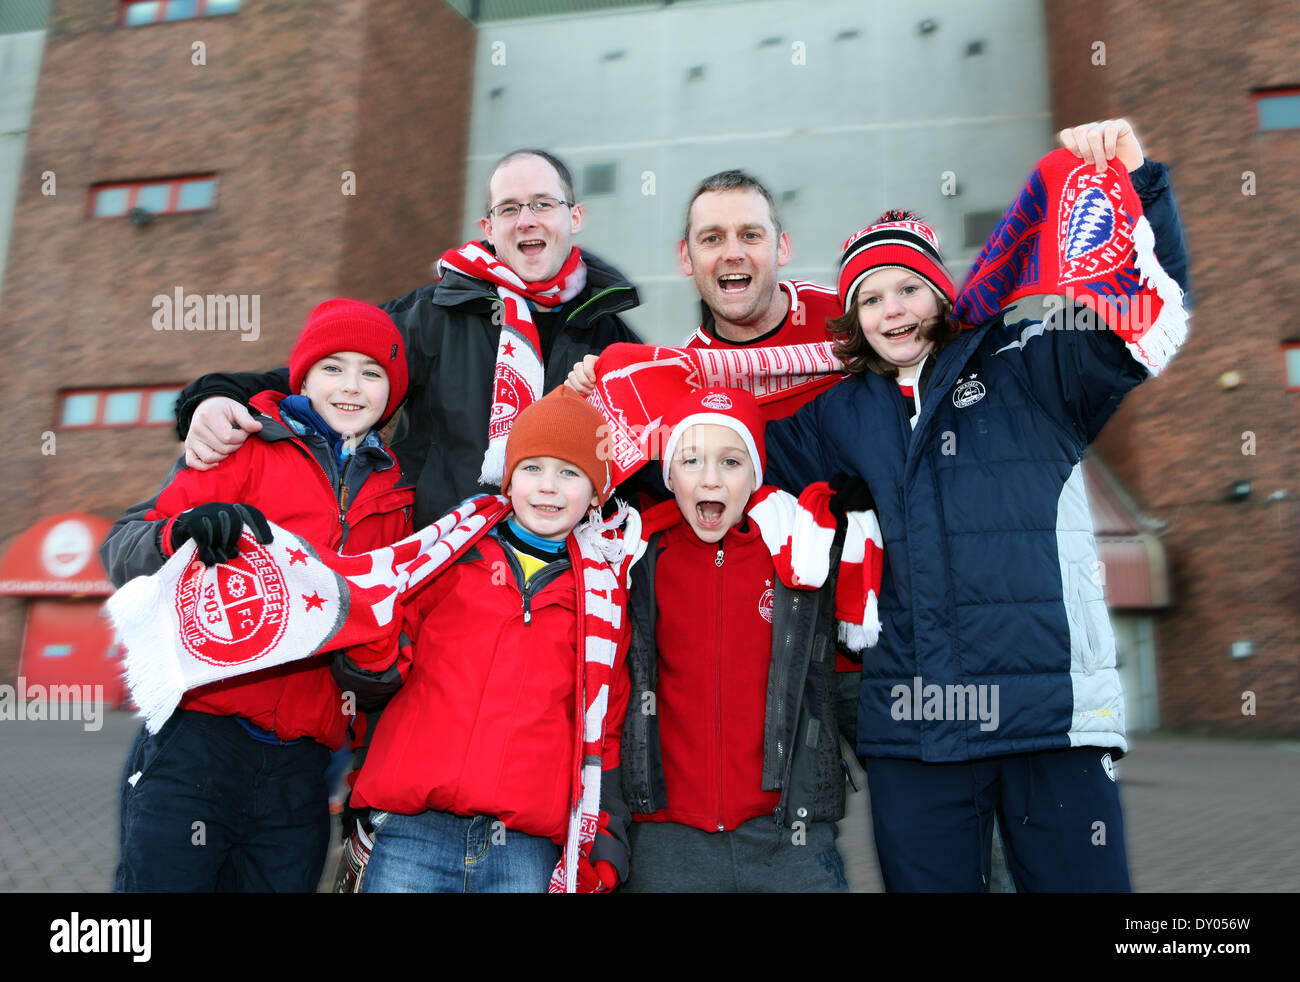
481	769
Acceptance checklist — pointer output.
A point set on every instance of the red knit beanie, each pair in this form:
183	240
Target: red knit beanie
735	409
565	426
898	240
350	325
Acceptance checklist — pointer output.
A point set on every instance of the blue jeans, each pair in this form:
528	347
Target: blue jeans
213	809
438	852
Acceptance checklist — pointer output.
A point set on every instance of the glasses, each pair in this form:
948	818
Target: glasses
541	207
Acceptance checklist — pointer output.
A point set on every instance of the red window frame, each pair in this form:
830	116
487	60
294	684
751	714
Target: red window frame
1259	94
133	191
146	391
162	6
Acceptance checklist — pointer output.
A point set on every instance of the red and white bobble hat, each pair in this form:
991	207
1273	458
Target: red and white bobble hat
735	409
898	240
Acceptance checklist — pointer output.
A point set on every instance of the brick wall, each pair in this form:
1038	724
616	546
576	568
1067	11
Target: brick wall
1184	73
288	98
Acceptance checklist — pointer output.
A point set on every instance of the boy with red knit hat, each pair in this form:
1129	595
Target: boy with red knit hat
230	793
494	767
732	765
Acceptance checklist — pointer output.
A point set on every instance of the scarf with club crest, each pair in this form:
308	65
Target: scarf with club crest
518	377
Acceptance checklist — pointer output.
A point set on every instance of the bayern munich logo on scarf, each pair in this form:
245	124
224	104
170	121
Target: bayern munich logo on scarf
1092	239
233	612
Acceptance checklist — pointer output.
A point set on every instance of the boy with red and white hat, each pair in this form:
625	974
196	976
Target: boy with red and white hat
230	793
732	767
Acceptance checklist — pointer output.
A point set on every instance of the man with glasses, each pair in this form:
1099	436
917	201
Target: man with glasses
501	327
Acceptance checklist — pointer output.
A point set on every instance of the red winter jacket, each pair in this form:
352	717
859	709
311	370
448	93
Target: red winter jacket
714	635
485	722
281	475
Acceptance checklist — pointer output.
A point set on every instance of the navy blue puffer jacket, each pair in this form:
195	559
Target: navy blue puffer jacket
995	636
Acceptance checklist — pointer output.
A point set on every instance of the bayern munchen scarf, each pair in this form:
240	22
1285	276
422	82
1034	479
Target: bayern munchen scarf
518	378
1075	234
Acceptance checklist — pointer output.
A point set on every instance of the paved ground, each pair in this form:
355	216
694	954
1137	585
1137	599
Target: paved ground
1203	815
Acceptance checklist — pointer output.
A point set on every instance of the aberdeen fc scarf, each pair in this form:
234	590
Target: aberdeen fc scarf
799	533
637	383
518	378
596	549
1079	238
190	624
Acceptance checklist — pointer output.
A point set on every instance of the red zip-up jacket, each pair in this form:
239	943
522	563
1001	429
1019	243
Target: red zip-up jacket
714	635
281	475
485	722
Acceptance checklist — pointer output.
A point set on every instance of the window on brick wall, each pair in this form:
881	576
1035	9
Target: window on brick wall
162	196
1291	364
136	13
95	408
1277	109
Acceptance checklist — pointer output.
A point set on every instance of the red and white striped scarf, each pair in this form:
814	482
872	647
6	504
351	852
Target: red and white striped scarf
519	375
596	548
798	534
636	384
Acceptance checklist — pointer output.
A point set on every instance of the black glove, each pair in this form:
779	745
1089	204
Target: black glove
851	494
215	529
